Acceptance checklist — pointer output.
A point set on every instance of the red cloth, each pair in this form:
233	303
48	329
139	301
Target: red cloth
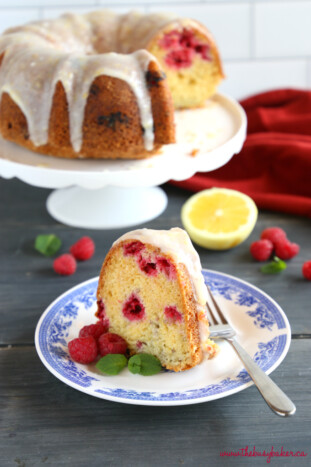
274	165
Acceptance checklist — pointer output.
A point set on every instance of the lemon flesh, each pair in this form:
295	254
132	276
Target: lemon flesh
219	218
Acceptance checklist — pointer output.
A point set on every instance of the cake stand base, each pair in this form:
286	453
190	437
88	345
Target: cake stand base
106	208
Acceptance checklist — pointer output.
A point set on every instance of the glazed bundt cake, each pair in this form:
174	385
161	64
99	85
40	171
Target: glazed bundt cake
102	85
151	292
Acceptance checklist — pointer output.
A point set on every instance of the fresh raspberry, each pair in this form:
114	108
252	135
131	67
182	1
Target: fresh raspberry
306	270
261	250
83	349
65	265
286	250
111	343
83	249
94	330
274	234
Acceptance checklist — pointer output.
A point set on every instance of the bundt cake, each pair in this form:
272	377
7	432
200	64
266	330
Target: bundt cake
151	292
102	85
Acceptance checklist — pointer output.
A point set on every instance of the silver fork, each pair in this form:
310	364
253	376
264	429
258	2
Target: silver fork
272	394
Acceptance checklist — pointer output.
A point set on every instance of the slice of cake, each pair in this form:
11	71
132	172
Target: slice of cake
152	293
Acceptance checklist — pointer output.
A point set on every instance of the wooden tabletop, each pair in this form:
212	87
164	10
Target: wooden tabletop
45	422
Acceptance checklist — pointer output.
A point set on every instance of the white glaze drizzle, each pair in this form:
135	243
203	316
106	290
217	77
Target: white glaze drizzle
73	50
177	244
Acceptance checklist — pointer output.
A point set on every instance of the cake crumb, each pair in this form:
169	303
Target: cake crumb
194	152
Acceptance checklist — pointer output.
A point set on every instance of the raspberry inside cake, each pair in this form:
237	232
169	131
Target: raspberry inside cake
189	58
152	293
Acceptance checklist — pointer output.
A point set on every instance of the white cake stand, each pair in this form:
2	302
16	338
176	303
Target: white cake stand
104	194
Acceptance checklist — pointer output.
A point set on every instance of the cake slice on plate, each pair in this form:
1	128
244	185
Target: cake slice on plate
151	292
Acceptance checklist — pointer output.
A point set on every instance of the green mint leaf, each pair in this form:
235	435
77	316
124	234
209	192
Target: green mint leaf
276	266
112	364
48	245
134	364
144	364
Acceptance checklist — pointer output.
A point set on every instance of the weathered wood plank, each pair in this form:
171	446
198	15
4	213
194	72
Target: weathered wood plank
45	422
28	284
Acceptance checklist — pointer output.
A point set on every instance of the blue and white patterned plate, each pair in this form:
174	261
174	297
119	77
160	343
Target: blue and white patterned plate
261	325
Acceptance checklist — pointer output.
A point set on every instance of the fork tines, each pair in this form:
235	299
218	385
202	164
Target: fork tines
215	314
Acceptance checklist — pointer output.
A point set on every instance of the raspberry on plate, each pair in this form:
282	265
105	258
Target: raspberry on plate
83	349
83	249
261	250
306	270
111	343
274	234
65	265
95	330
286	250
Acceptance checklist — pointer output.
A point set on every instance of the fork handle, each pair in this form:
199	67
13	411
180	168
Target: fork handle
272	394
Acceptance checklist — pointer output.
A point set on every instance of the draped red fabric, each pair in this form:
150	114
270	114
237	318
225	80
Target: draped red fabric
274	165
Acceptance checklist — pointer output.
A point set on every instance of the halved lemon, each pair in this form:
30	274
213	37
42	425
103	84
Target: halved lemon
219	218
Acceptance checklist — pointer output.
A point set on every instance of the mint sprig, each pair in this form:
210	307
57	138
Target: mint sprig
144	364
111	364
274	267
48	245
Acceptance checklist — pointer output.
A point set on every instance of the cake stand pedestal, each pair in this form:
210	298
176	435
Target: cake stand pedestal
106	194
106	208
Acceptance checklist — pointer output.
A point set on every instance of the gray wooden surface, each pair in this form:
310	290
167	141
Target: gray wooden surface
44	422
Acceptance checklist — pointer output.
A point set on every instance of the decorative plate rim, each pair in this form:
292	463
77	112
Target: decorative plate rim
240	385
